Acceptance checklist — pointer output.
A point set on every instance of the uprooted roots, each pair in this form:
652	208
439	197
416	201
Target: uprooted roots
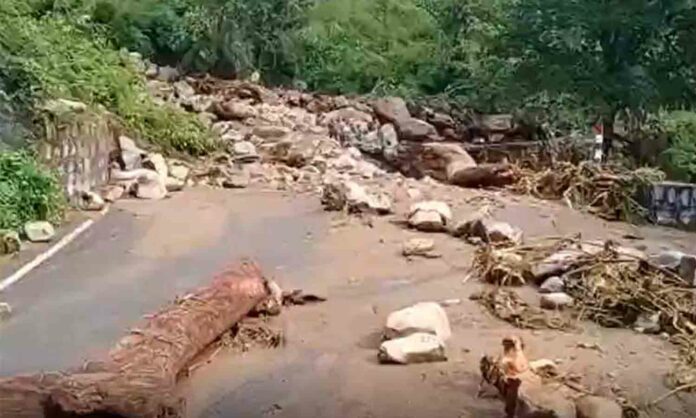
607	192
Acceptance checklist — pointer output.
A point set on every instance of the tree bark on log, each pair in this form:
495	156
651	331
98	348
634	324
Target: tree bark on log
139	376
483	175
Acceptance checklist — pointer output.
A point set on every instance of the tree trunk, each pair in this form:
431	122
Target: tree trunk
139	376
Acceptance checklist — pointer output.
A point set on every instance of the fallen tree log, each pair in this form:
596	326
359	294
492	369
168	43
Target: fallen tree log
138	377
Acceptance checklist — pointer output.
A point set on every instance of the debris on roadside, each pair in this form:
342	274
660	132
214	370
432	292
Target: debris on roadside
609	193
608	284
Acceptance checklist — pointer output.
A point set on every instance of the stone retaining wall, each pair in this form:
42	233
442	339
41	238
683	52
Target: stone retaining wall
674	204
78	146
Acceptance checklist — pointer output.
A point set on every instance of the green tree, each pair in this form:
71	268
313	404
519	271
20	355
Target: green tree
611	56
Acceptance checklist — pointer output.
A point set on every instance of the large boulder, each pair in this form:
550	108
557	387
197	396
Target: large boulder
150	185
39	231
157	163
424	317
232	110
271	132
598	407
534	399
391	109
389	141
91	201
348	114
416	348
131	155
416	130
429	216
244	152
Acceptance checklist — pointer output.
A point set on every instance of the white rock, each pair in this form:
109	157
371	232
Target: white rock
157	163
345	162
416	348
174	185
131	154
429	216
556	301
150	185
244	151
5	311
91	201
179	171
112	193
427	317
380	203
598	407
39	231
418	246
433	205
544	367
553	284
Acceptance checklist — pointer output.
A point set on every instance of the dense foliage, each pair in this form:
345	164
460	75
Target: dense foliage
27	192
51	56
566	63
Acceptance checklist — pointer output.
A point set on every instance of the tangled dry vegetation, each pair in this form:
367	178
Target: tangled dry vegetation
611	285
609	192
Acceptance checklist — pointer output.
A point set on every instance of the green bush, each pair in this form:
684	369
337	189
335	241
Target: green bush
49	57
680	159
27	192
367	45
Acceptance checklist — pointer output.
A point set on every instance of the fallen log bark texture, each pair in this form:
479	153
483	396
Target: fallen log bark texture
138	378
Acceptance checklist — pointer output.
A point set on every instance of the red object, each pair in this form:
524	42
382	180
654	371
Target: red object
598	129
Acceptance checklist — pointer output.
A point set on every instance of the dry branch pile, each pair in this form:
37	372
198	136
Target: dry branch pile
611	285
610	193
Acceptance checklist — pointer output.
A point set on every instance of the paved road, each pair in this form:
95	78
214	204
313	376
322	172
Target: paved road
137	258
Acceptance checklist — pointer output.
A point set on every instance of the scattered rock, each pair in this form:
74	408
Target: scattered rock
556	301
347	114
419	247
150	185
131	155
179	171
534	399
157	163
442	121
544	367
5	311
112	193
389	141
424	317
682	264
10	242
553	284
429	216
174	185
39	231
61	107
354	197
271	132
91	201
167	73
244	152
232	110
416	130
416	348
184	90
648	323
391	109
237	180
489	231
597	407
